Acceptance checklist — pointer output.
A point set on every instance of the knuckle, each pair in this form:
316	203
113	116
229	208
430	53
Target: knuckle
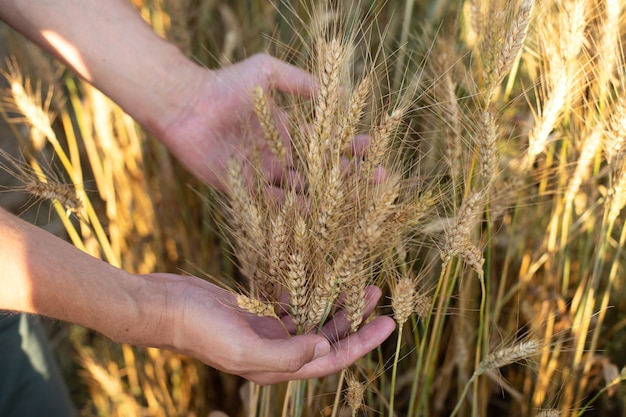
291	365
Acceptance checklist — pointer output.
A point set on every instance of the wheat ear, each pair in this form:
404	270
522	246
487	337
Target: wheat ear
617	194
587	155
354	301
403	299
247	227
423	306
495	360
28	102
355	393
356	107
263	112
296	274
40	185
512	44
508	355
381	138
330	213
330	55
458	236
616	134
256	306
487	149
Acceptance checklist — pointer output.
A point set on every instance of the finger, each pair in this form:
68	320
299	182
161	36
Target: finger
286	356
359	145
341	355
339	326
290	79
278	196
284	177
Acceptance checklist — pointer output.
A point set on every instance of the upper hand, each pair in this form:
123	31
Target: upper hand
216	120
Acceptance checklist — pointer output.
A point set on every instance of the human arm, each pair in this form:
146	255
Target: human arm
42	274
202	116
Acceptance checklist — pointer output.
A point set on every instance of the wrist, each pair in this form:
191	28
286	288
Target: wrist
141	314
151	318
174	89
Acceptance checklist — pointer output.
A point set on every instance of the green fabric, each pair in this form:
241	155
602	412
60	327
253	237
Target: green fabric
30	381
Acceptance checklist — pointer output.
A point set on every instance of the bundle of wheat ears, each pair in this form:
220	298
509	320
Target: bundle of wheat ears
347	224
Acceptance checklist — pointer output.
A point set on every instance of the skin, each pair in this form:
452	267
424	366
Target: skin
203	117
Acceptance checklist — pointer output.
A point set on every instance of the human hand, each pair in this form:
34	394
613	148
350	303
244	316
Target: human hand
203	321
216	119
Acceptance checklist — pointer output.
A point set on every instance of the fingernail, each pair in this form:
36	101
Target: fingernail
321	349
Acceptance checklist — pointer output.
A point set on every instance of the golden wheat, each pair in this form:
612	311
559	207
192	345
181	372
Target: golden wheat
513	42
355	393
40	185
356	109
458	241
268	125
29	106
403	299
256	306
487	150
297	273
508	355
423	305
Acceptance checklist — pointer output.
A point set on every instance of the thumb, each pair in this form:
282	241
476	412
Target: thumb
291	79
289	355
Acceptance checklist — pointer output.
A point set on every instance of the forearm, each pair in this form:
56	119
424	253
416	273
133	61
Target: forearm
107	43
42	274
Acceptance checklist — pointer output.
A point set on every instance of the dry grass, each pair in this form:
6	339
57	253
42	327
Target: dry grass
500	128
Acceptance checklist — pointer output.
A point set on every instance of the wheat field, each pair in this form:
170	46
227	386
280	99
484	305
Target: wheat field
485	201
